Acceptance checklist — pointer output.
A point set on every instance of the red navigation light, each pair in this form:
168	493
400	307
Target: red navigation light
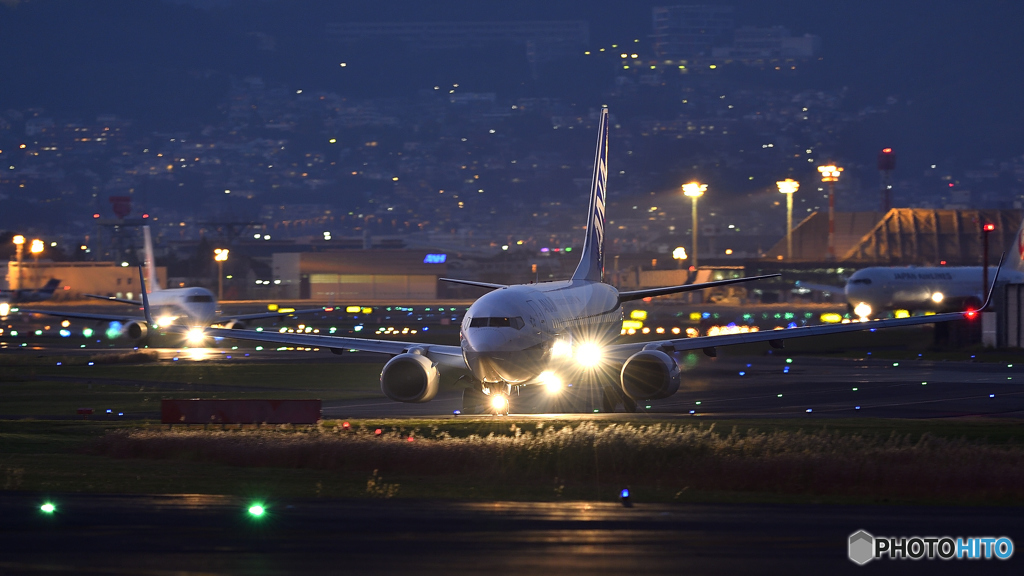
942	262
145	215
950	184
377	432
990	227
971	314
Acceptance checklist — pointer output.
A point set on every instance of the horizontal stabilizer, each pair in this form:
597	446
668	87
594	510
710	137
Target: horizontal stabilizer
472	283
651	292
112	299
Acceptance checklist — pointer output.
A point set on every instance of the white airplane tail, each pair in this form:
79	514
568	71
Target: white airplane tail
1017	250
591	266
149	262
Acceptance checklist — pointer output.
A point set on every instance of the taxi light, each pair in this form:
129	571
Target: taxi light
195	336
902	314
353	309
634	324
831	318
863	310
48	508
257	510
588	354
638	315
937	297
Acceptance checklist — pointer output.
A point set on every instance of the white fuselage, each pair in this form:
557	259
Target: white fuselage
914	288
187	306
514	334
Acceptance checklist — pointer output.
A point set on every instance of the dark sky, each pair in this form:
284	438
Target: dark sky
957	63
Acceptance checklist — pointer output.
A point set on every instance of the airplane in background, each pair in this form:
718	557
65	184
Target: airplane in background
553	333
195	308
876	289
22	295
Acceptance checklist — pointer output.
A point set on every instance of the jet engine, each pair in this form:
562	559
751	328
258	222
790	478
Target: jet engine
650	375
410	378
137	330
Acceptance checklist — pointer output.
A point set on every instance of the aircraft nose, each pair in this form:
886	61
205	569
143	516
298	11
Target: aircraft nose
483	340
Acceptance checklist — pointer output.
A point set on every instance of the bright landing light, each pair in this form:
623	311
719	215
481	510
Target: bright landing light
588	354
937	297
863	310
499	402
195	336
552	383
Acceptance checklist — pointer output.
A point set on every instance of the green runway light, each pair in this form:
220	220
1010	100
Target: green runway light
257	510
48	508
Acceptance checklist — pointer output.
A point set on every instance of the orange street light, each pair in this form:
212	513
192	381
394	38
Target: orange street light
830	175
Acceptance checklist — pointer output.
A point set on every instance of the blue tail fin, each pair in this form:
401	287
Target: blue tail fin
591	266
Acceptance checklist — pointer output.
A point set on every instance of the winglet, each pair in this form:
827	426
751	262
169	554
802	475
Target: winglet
992	287
145	300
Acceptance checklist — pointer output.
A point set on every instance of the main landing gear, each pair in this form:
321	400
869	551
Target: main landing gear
610	397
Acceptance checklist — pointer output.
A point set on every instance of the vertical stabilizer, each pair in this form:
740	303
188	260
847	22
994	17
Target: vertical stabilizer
149	262
591	266
1017	250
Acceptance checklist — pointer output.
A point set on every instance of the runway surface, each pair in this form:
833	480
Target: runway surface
195	534
790	387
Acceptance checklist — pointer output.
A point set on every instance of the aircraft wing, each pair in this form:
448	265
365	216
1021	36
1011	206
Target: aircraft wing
651	292
775	337
450	356
474	283
259	315
621	352
84	316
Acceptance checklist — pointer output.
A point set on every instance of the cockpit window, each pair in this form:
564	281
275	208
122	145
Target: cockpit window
199	298
497	322
865	281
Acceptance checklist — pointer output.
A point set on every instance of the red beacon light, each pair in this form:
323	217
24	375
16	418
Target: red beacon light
990	227
971	314
96	215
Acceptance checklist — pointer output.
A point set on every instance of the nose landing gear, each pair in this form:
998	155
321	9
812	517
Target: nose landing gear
495	401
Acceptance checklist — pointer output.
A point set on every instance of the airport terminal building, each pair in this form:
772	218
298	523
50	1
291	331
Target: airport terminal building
343	275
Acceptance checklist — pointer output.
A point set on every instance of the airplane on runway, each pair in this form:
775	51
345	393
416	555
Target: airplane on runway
871	290
551	333
22	295
196	308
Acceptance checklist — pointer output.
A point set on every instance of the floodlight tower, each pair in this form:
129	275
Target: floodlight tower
886	164
694	190
830	175
789	187
19	243
220	255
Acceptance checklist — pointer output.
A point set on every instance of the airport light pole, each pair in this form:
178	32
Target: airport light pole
985	230
36	248
694	190
19	243
789	187
830	175
221	256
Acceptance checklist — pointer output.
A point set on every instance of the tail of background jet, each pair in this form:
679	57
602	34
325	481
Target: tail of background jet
47	290
149	263
591	266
